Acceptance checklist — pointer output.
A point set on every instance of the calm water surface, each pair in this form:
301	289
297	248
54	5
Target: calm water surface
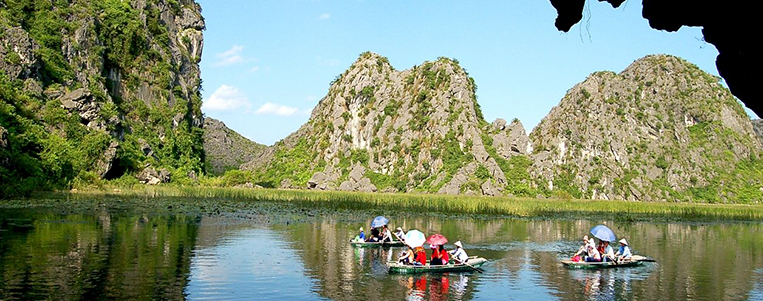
278	252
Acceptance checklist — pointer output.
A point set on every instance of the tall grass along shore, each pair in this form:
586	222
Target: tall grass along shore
455	205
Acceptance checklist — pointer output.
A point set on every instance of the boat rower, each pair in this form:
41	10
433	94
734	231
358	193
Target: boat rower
459	255
624	252
399	234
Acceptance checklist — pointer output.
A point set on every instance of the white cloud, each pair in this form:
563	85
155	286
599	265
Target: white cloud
230	56
226	98
325	16
311	98
276	109
255	69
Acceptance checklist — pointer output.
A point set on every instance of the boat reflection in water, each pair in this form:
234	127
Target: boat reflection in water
610	284
121	255
435	286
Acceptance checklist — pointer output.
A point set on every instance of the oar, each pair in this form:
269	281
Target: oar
642	258
474	268
398	237
480	270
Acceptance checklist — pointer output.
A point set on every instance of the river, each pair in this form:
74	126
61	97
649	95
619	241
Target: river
100	250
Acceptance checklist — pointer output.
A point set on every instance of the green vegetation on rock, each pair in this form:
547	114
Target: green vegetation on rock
105	89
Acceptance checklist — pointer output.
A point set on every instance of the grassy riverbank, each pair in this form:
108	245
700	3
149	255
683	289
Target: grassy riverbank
445	204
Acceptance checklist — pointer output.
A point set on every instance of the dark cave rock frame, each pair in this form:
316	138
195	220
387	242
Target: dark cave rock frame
728	25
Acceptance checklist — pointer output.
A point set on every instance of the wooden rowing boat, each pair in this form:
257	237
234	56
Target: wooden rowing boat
472	264
636	260
369	244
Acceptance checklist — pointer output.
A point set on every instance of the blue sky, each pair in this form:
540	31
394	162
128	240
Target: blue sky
267	63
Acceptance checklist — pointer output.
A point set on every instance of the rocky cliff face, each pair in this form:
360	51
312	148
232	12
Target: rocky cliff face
380	129
225	149
757	126
98	89
660	130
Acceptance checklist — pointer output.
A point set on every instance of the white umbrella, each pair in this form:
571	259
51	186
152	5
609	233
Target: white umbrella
414	238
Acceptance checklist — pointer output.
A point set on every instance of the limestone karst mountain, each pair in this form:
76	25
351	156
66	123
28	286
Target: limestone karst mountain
225	149
660	130
380	129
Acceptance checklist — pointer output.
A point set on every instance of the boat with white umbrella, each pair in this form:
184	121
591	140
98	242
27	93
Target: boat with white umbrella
604	233
415	239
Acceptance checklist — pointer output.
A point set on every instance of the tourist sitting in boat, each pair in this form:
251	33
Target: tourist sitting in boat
361	236
583	251
624	252
444	256
609	253
593	255
386	235
420	256
436	257
374	235
459	255
400	234
406	257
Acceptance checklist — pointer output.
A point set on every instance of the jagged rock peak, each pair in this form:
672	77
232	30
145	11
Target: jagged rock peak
418	129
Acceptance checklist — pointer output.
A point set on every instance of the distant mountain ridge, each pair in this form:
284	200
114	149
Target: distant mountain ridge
660	130
225	149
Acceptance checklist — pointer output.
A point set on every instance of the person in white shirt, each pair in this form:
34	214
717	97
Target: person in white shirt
583	251
400	234
609	253
459	255
386	235
593	255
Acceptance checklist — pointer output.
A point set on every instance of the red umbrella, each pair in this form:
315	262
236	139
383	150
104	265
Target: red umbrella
437	240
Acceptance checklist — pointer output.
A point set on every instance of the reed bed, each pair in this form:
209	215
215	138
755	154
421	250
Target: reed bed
457	205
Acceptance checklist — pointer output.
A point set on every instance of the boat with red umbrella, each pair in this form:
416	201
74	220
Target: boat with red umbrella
472	264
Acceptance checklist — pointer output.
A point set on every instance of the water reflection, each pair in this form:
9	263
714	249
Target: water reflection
136	256
525	258
609	284
52	256
240	261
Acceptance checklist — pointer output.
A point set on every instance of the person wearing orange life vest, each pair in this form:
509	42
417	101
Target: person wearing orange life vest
420	257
